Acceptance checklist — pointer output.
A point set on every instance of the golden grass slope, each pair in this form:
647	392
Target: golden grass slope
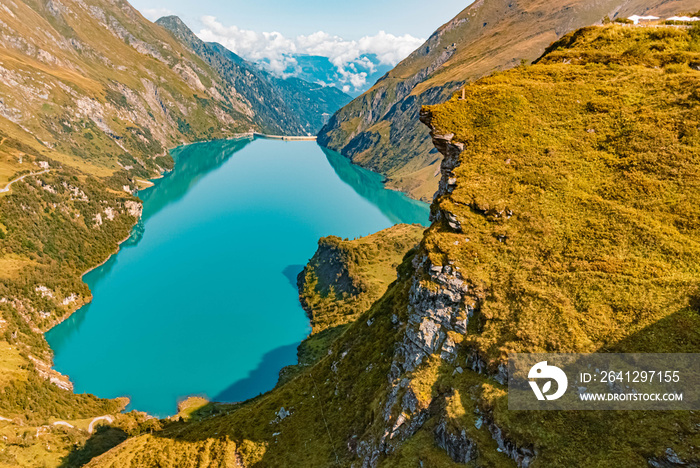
578	190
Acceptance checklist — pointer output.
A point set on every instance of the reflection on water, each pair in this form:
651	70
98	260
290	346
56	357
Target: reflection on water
192	164
395	205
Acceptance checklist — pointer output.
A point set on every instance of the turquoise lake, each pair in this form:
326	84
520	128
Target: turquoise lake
202	298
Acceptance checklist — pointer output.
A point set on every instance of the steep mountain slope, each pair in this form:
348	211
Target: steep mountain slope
91	96
265	101
566	220
312	103
380	130
295	105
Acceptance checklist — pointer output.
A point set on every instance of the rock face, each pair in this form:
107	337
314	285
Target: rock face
380	129
438	304
670	459
344	277
458	446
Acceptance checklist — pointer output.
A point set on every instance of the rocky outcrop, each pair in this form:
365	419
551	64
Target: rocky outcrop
438	304
522	456
344	277
457	445
670	459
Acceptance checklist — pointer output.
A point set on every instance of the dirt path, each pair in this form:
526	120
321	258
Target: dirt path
91	427
7	187
63	423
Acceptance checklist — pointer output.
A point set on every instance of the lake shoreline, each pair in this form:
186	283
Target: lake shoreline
329	181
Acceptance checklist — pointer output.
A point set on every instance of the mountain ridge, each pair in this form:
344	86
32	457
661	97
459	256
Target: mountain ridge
300	107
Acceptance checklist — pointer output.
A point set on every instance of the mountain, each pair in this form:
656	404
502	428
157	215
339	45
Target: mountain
318	69
313	103
566	220
308	93
265	101
293	103
235	58
380	129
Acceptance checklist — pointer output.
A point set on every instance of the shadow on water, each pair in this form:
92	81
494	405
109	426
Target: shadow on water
291	272
369	185
261	379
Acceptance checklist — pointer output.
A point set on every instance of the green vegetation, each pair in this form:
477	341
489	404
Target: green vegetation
345	277
577	192
342	280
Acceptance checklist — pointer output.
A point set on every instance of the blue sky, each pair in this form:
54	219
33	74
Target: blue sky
348	19
360	38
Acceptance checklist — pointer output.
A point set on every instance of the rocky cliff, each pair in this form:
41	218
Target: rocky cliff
380	129
344	277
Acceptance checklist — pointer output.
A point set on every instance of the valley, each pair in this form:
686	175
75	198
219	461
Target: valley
313	315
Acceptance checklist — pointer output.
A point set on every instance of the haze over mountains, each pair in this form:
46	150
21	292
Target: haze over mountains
318	69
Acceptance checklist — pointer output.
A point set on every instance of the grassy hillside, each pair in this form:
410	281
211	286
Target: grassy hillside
91	96
344	277
566	220
380	129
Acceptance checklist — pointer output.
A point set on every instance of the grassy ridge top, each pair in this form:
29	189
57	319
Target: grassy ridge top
578	189
380	129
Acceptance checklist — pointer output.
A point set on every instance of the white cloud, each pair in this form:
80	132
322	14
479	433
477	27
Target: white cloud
275	50
155	13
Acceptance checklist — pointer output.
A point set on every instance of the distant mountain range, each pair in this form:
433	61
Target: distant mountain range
309	93
306	104
318	69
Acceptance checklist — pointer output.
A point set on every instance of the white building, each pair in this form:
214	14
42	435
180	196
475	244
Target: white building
683	18
636	19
